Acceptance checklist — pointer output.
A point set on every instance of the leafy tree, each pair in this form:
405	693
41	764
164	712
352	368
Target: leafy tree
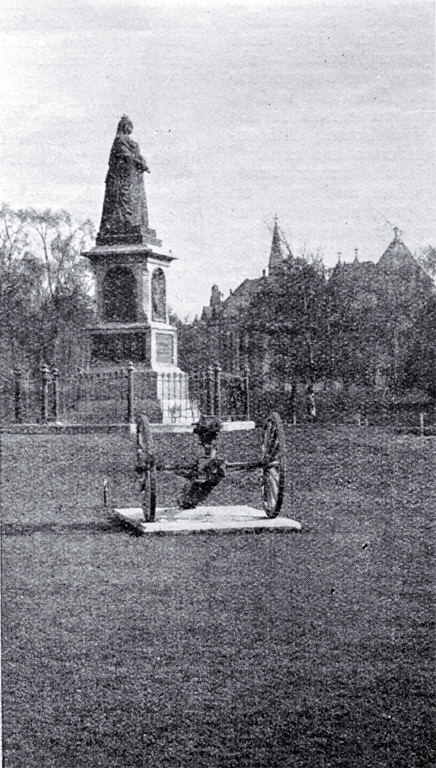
193	344
404	294
44	287
20	275
286	322
426	258
353	326
373	312
420	367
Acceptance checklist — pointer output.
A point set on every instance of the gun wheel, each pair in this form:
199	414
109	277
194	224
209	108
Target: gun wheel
273	464
146	467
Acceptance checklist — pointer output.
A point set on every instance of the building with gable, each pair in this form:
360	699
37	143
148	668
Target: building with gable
226	340
371	304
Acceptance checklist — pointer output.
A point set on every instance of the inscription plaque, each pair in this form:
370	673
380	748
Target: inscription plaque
164	348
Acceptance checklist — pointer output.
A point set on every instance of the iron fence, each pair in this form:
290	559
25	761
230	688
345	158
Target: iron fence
7	399
173	396
21	398
116	396
107	396
221	394
94	397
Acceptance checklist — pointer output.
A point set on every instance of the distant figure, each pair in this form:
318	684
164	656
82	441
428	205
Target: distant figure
310	403
125	204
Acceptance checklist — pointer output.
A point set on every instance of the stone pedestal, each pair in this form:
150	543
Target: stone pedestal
132	325
132	319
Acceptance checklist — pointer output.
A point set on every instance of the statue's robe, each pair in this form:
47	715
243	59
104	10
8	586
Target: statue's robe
125	204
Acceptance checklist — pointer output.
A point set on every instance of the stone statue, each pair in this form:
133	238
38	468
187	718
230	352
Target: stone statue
125	213
158	296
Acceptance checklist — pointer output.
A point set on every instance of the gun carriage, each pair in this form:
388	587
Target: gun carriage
206	472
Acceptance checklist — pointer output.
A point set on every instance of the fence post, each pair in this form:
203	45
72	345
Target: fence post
130	393
18	396
192	385
168	398
217	390
203	390
55	411
209	391
247	393
44	393
195	388
421	424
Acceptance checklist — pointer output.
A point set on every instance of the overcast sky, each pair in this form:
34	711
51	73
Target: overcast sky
320	113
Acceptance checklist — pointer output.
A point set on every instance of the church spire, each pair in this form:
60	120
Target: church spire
276	257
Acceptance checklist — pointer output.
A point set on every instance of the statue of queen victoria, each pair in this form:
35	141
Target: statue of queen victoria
125	215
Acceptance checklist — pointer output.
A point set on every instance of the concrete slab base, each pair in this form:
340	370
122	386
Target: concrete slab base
205	519
188	427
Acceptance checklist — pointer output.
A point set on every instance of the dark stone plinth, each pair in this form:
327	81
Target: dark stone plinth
126	253
120	345
134	235
119	295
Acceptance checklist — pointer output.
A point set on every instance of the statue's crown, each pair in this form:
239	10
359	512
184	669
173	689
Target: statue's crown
124	119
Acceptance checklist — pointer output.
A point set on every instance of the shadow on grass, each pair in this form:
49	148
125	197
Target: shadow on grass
112	525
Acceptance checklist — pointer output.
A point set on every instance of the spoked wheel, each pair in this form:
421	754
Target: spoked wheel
146	467
273	465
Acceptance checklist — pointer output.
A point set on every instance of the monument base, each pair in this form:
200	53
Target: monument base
160	388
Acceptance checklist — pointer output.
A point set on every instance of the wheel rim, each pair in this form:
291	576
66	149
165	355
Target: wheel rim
274	465
146	461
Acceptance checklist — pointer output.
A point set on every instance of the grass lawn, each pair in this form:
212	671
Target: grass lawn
313	649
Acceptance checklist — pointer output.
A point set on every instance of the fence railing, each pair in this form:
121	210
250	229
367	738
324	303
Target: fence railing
221	394
112	396
92	397
115	396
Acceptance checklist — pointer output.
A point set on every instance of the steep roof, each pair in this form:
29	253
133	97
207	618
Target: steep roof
242	295
238	299
397	263
276	257
396	255
352	270
247	289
